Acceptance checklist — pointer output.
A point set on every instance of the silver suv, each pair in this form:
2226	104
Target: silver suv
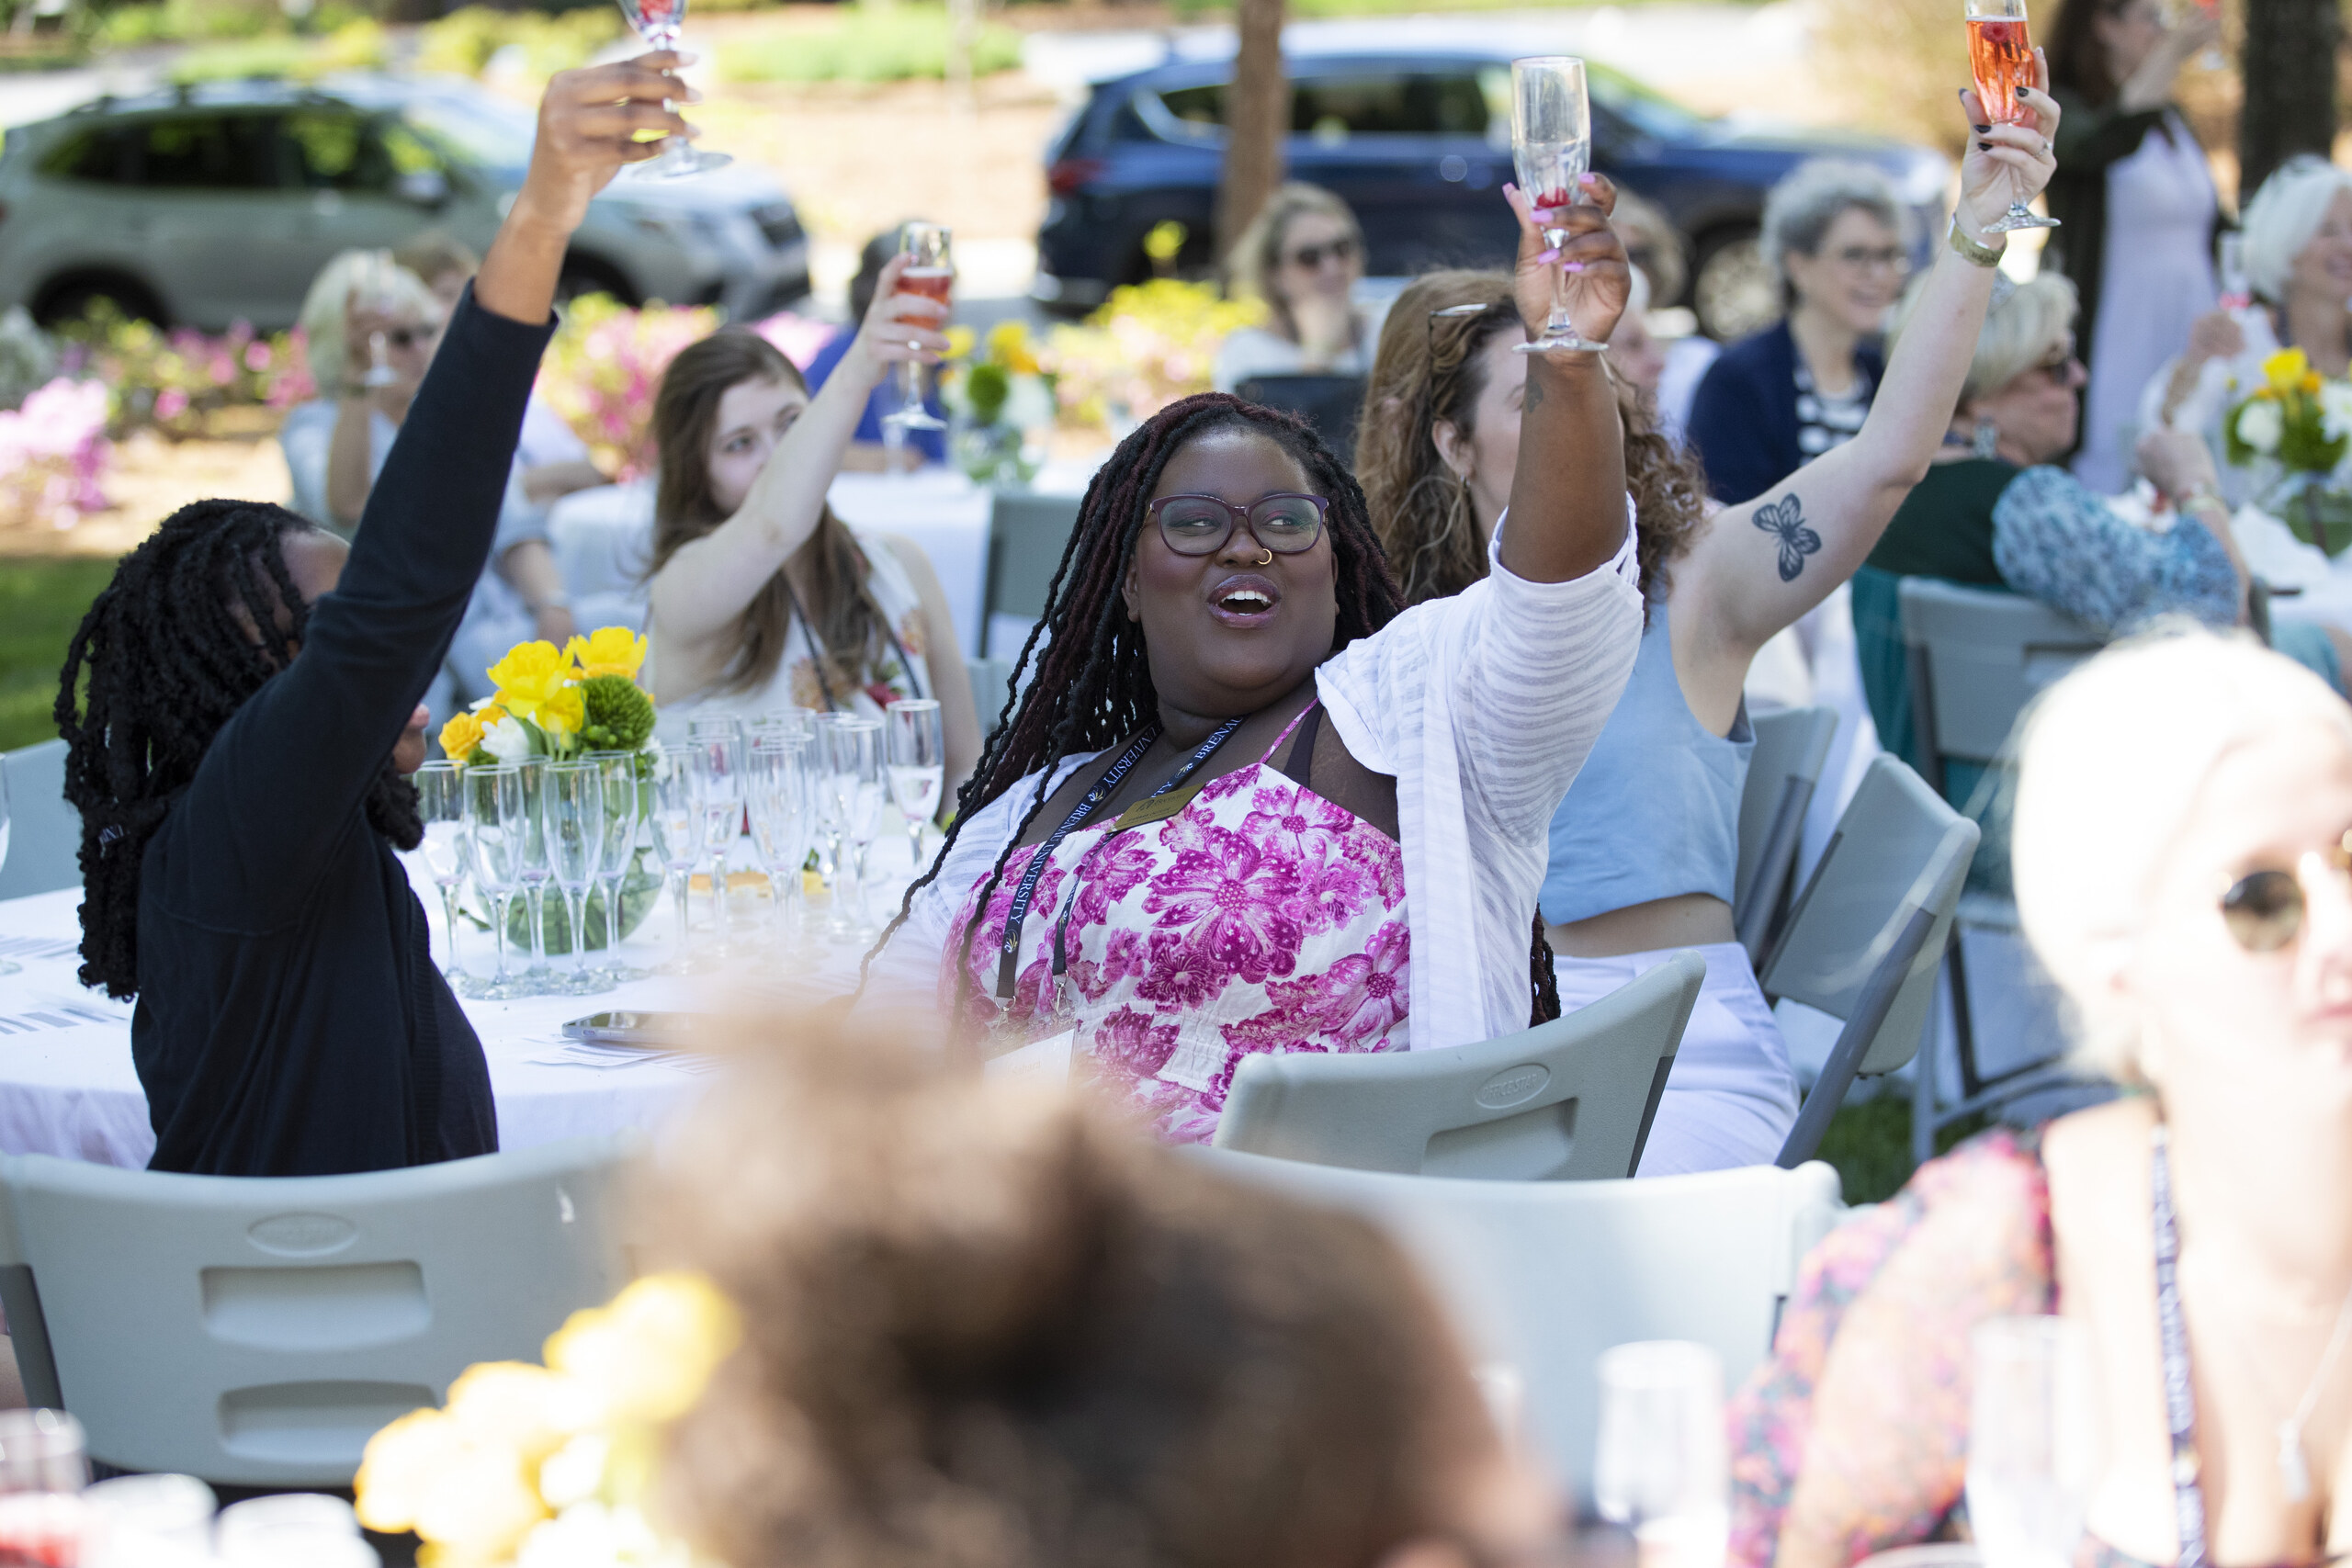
219	202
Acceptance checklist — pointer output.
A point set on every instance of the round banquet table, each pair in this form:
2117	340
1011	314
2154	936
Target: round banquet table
67	1086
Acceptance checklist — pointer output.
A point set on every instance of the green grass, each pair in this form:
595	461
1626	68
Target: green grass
1869	1142
41	604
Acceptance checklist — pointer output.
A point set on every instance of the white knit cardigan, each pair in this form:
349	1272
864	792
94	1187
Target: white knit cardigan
1482	706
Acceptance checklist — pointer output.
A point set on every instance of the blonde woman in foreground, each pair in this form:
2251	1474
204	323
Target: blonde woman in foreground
2183	830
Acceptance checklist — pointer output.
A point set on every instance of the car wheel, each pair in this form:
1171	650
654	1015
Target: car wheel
68	300
583	275
1732	289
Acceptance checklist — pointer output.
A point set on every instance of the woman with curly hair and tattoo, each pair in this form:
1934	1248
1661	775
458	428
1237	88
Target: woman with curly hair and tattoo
241	708
1246	805
1644	849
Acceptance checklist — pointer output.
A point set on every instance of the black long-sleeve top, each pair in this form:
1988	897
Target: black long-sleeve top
290	1021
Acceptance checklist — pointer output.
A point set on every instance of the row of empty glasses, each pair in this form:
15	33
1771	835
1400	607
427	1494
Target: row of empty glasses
809	788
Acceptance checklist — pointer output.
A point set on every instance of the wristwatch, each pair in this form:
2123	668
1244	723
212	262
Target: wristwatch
1976	253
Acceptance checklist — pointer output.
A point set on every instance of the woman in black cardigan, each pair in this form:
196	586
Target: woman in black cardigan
240	755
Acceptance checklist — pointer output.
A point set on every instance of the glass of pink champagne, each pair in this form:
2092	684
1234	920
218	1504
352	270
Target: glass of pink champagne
931	274
2000	55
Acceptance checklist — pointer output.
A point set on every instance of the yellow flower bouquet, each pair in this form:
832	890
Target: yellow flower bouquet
999	396
2294	428
551	1467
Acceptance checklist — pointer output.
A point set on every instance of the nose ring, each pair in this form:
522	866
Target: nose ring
1268	561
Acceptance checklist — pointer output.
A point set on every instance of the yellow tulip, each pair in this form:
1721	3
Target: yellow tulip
529	678
513	1406
2286	369
607	650
960	342
563	714
461	735
401	1465
648	1355
480	1511
2310	383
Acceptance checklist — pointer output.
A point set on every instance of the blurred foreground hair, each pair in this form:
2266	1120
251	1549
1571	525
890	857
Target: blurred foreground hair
987	1326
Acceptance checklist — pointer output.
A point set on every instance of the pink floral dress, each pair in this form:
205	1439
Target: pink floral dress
1261	917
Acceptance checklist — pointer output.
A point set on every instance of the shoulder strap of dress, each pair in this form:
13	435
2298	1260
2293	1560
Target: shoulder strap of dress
1300	718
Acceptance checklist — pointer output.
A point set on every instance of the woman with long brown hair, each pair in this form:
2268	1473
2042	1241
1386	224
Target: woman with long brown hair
1644	849
762	598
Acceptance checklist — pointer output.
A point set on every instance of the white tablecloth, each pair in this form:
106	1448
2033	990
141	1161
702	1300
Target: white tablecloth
67	1086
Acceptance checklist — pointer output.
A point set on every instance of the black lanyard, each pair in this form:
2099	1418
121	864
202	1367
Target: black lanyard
1008	956
2181	1398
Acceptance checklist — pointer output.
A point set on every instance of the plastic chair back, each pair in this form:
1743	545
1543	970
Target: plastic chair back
1543	1275
44	830
257	1331
1983	655
1332	404
1568	1100
991	681
1791	747
1027	534
1867	936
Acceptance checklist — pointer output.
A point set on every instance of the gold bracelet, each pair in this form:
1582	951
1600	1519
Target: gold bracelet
1976	253
2197	494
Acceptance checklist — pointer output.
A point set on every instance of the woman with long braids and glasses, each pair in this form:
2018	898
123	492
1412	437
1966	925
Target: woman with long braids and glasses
1644	849
1247	805
240	754
762	598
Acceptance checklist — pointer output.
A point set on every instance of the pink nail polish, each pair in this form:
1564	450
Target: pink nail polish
1548	256
1573	266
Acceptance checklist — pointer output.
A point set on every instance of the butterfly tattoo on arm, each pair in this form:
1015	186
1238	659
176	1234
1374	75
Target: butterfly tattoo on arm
1785	519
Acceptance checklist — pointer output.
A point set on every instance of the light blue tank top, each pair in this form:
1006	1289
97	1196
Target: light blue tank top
1656	811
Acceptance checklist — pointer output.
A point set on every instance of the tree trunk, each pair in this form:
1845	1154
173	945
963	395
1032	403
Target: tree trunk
1257	118
2288	68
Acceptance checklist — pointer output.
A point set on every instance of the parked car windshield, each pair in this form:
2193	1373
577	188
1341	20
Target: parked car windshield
480	131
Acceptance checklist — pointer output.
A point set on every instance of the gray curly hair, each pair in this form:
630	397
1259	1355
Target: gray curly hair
1800	209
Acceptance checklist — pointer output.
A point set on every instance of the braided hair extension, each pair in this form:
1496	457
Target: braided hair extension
169	650
1092	684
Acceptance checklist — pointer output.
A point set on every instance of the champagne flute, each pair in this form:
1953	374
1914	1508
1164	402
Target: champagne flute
494	840
441	803
829	824
930	274
1661	1468
533	871
855	770
1551	149
44	1460
677	839
379	303
2034	1448
779	787
624	808
2001	56
656	22
571	821
717	744
918	766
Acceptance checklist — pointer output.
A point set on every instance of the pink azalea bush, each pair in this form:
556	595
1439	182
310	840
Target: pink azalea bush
174	381
52	452
603	367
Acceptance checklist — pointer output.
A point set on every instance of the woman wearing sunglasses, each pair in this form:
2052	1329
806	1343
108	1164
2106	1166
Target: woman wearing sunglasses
1303	255
1996	511
2184	823
1245	804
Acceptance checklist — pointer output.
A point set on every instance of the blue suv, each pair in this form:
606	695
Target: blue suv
1417	141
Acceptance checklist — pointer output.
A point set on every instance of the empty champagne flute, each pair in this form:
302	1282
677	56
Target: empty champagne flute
380	302
930	274
1661	1468
854	770
779	787
918	763
676	822
496	834
2033	1440
533	871
656	22
441	803
1551	149
624	808
572	818
827	835
717	744
2000	55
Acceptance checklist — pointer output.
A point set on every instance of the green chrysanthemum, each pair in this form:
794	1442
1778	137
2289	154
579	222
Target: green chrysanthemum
620	717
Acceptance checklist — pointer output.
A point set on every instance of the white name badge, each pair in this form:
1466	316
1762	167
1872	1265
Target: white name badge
1043	1061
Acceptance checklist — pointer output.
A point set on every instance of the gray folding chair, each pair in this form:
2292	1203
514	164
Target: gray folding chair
1027	534
1977	657
1791	747
1543	1275
1866	937
991	683
44	840
1568	1100
259	1331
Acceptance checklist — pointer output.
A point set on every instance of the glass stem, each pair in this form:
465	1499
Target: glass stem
575	907
613	916
1562	324
914	845
450	970
537	904
504	906
686	878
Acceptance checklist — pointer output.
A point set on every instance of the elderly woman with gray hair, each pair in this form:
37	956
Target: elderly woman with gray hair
1836	239
1995	511
2184	823
2298	254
